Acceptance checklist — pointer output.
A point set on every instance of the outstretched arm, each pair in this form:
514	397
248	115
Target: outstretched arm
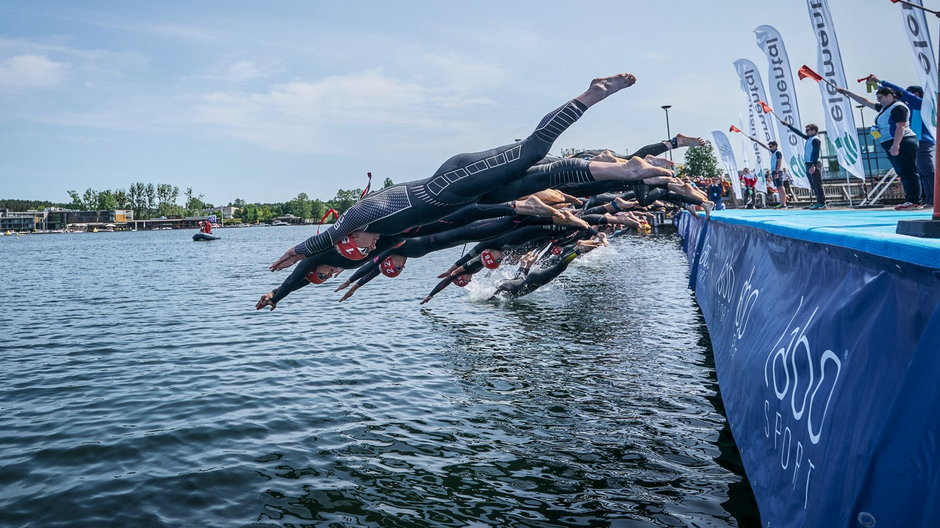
362	282
296	280
855	97
437	289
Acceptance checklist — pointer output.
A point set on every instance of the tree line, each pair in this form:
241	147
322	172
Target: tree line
148	200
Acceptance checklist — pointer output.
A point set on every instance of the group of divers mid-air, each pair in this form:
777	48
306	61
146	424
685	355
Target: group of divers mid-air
516	202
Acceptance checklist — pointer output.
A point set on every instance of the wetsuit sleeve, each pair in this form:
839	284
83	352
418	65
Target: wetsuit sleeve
441	285
599	210
651	150
594	219
470	255
372	265
296	280
795	130
368	277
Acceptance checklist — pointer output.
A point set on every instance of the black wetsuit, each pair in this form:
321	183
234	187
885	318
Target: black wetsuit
420	246
513	239
460	181
529	281
298	277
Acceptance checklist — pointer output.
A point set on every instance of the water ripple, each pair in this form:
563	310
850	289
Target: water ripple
142	389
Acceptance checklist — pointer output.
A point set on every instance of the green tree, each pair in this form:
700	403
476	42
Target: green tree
89	199
388	183
700	162
150	197
106	201
76	200
137	200
121	200
344	199
299	206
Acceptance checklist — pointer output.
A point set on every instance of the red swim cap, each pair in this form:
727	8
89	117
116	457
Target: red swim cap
316	278
489	260
462	280
348	248
389	269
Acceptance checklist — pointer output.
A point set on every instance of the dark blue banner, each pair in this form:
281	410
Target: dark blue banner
829	365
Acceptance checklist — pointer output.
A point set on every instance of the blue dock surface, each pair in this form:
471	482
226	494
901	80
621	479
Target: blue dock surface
868	230
825	327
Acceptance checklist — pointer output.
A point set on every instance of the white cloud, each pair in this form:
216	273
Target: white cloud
244	71
32	71
305	116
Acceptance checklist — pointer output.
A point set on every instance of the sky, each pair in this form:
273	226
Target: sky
265	100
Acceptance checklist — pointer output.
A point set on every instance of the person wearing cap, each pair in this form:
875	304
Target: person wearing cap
913	97
465	178
896	137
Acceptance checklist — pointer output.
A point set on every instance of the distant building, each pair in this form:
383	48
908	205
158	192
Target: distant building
874	158
54	219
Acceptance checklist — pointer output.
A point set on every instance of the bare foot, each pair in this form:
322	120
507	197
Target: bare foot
603	87
688	141
665	163
686	190
535	207
660	180
551	197
607	156
266	301
642	169
708	206
569	218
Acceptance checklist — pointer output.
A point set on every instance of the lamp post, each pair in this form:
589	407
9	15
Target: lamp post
925	228
668	133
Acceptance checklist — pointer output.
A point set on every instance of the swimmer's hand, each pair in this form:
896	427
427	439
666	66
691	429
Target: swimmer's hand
349	293
266	301
342	286
426	299
288	259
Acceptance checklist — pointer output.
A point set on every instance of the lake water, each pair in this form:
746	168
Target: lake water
139	387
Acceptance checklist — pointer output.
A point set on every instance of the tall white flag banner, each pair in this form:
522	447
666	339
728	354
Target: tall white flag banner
783	101
915	26
840	121
753	88
727	159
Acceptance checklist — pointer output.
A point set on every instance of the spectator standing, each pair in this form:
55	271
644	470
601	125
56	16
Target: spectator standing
896	137
913	97
776	169
714	193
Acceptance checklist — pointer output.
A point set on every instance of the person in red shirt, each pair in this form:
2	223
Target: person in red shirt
750	194
207	227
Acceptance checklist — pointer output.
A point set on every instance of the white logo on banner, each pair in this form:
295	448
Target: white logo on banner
808	399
